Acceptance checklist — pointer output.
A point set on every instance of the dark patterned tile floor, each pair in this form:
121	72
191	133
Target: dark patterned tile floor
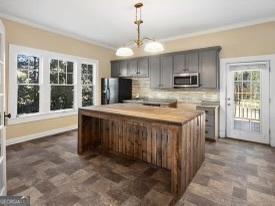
51	173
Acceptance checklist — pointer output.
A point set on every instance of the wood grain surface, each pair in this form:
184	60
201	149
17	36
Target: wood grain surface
165	137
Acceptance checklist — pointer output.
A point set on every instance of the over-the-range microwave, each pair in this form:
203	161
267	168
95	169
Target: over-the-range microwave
186	80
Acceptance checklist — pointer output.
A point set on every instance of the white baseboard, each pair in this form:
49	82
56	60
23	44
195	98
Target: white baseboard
39	135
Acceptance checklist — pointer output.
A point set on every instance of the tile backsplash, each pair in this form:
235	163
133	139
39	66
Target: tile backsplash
141	88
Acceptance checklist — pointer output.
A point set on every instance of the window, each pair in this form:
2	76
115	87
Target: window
62	84
87	84
45	84
28	84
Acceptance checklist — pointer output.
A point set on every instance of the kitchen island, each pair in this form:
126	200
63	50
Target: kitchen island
166	137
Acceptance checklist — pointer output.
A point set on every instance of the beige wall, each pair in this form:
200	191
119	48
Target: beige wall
246	41
20	34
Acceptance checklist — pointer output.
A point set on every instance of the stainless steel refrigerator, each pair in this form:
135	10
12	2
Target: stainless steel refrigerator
115	90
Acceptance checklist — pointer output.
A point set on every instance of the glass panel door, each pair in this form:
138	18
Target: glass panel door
248	102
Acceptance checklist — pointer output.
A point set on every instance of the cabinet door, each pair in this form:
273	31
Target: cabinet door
208	66
154	67
143	67
192	62
115	69
166	72
123	68
132	67
179	64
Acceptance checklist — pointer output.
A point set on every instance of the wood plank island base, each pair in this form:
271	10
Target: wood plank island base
166	137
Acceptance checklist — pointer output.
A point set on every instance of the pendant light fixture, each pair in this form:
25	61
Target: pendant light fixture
150	45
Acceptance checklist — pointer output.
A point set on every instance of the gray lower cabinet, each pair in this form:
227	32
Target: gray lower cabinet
209	68
211	121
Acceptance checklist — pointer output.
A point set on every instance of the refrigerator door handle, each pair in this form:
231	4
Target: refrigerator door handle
108	95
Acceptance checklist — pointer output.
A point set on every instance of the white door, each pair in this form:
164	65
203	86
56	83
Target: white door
248	101
3	188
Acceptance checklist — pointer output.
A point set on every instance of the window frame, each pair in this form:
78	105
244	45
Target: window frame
28	83
45	111
74	84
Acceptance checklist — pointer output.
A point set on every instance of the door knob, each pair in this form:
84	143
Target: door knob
7	115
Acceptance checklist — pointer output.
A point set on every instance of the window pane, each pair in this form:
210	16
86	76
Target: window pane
62	97
70	78
90	69
70	66
33	62
54	78
62	66
28	99
54	65
87	96
22	62
246	75
33	77
62	78
84	71
22	76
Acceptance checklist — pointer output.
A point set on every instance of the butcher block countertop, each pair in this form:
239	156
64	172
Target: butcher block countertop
169	138
169	115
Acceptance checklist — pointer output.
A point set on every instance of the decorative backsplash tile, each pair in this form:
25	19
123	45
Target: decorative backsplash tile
141	88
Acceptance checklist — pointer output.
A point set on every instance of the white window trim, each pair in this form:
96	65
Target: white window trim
44	82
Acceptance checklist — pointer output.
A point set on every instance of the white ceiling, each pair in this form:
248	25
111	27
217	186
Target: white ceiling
110	22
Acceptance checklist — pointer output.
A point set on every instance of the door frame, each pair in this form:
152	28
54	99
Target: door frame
2	31
265	114
224	62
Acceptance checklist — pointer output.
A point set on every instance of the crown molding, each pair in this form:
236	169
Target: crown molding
53	30
219	29
84	39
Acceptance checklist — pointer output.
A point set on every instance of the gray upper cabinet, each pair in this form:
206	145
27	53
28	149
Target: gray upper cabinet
143	67
118	68
132	68
123	68
192	62
161	68
115	69
186	62
154	67
179	64
209	68
166	63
